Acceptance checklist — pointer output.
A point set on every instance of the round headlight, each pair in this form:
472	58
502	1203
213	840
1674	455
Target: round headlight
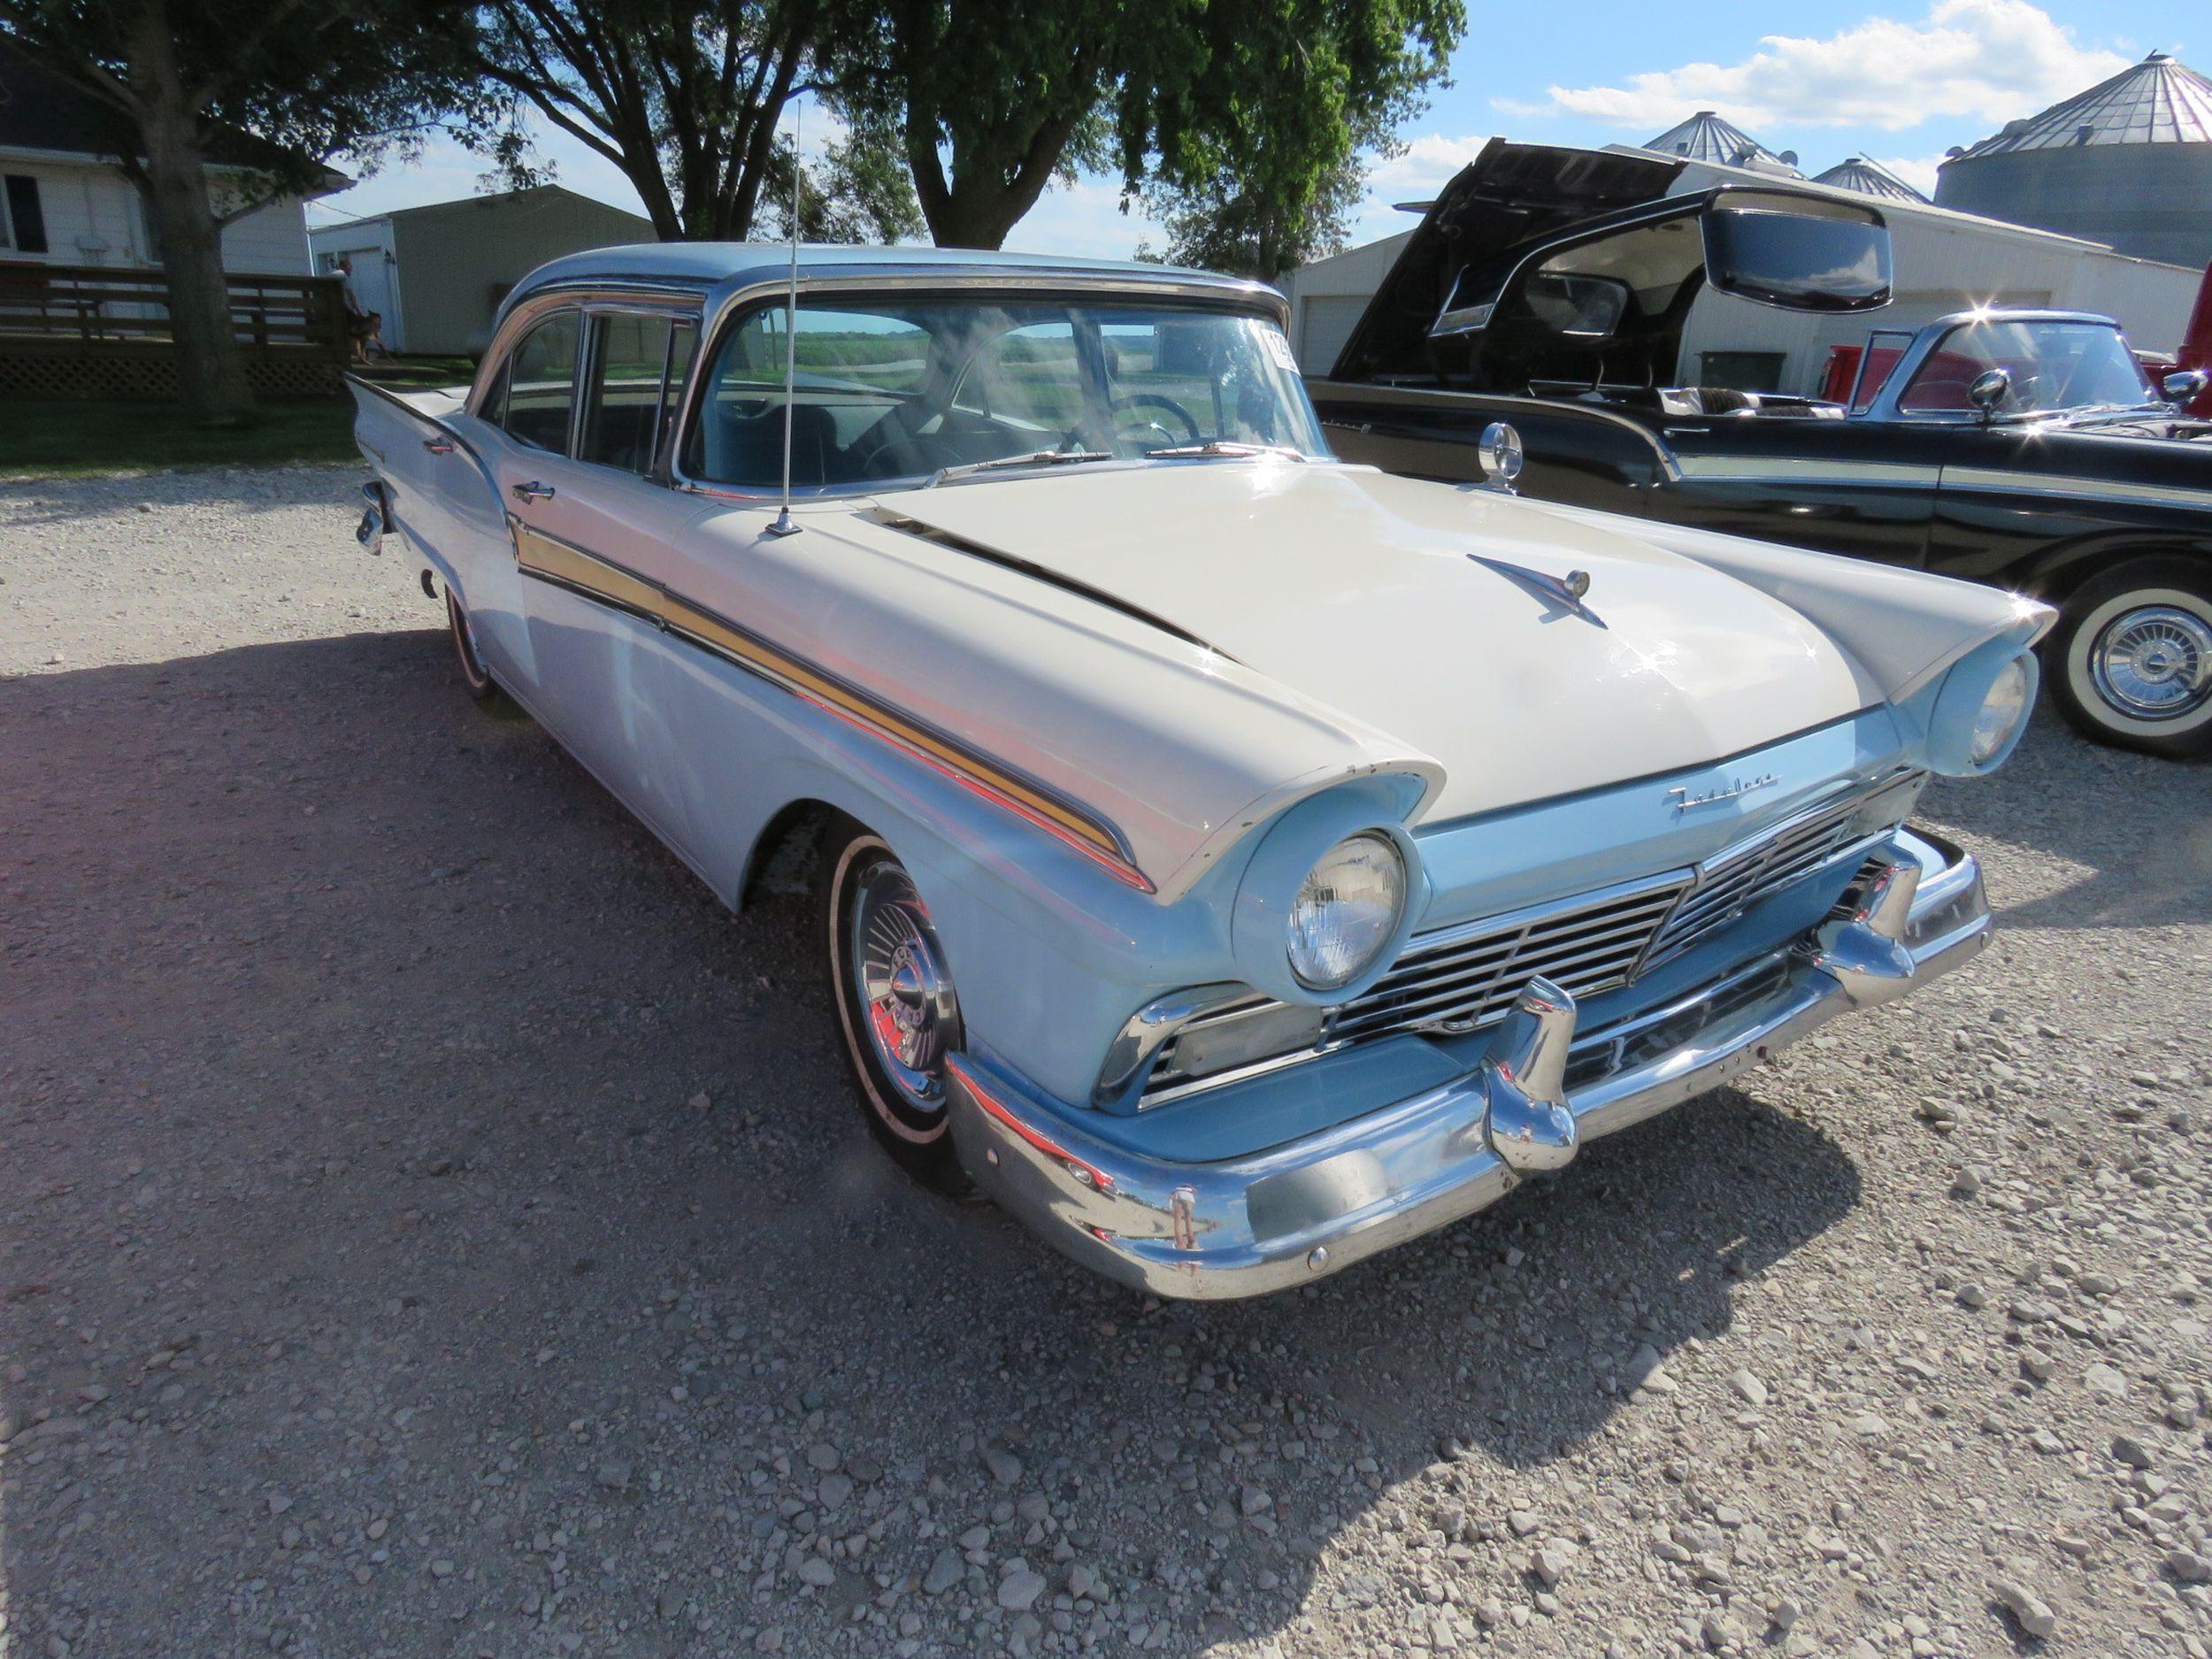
2002	711
1347	910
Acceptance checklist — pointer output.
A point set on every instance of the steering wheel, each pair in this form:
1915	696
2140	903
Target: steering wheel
1154	400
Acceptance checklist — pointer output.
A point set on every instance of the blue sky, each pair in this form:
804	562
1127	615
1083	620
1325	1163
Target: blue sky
1902	82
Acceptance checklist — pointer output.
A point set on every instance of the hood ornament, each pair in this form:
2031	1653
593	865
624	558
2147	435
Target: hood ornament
1566	591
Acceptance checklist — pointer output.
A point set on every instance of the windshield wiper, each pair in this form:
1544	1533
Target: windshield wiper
1035	457
1223	446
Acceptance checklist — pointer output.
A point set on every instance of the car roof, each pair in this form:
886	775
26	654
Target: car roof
742	263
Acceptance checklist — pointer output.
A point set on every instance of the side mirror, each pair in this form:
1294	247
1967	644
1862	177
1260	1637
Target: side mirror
2183	385
1989	391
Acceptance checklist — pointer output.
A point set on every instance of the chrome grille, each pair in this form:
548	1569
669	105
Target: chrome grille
1734	879
1464	978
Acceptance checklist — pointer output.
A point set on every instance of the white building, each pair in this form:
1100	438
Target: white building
437	273
1944	261
64	201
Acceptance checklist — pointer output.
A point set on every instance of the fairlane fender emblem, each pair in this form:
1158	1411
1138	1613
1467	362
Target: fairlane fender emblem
1564	591
1683	801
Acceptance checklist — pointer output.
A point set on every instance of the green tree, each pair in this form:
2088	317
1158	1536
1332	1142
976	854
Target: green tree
685	97
990	102
280	84
858	192
1261	161
1220	223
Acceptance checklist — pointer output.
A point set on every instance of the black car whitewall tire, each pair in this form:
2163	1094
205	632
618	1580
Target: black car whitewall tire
896	1009
2132	655
474	675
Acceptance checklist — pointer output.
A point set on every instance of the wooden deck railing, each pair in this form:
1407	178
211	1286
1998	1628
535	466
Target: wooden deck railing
91	304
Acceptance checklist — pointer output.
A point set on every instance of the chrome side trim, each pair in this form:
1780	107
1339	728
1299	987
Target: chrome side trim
1280	1218
548	559
1744	469
1985	480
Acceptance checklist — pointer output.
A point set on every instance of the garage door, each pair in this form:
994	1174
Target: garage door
1325	323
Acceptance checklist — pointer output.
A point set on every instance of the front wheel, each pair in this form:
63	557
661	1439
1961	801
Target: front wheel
2134	658
896	1008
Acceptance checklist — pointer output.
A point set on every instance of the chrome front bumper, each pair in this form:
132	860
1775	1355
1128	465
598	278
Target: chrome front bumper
1288	1215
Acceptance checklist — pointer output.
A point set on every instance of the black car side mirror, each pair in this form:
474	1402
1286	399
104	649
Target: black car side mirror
1989	391
2183	385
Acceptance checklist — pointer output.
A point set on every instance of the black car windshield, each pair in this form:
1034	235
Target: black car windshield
891	391
2053	366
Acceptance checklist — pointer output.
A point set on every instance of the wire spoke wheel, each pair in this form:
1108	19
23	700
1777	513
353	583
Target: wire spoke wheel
895	1006
2154	663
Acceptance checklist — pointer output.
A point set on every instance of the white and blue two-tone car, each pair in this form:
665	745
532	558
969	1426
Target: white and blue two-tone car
1234	862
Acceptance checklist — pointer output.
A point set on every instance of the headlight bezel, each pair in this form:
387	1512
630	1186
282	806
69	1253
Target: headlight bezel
1287	853
1956	745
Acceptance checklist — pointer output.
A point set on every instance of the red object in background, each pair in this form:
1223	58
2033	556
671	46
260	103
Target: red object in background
2196	346
1843	368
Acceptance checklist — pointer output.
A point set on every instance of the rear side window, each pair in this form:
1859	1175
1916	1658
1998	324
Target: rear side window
622	419
542	384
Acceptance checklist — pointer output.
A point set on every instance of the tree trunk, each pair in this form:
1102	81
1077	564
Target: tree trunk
214	372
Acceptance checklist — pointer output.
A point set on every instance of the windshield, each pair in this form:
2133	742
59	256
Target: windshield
904	391
2053	366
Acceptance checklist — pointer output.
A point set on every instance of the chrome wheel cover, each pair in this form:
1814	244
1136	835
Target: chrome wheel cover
2154	663
905	997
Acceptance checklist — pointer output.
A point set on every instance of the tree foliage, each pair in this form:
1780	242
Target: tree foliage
1259	161
990	102
685	97
269	88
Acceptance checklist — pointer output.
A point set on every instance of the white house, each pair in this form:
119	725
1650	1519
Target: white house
64	201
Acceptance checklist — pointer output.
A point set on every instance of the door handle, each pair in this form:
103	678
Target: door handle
438	446
534	491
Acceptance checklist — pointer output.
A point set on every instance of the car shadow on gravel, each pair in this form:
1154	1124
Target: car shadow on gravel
395	1129
2139	827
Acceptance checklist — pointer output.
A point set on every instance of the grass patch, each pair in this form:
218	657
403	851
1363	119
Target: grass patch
102	439
106	440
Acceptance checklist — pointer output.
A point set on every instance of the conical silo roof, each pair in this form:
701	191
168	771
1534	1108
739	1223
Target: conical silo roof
1869	178
2158	101
1706	137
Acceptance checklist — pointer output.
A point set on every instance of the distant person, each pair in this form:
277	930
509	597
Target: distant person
363	327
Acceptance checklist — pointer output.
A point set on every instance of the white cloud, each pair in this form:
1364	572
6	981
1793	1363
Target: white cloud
1989	59
1917	170
1084	220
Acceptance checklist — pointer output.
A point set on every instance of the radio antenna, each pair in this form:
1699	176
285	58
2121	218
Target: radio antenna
783	525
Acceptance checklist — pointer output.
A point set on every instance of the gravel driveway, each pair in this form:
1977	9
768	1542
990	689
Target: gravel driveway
430	1226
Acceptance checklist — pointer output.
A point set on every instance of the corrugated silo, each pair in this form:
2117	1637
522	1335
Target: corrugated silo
2128	162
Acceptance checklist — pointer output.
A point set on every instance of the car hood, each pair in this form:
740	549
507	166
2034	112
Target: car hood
1417	609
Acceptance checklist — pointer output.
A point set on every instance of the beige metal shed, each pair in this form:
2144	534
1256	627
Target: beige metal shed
437	273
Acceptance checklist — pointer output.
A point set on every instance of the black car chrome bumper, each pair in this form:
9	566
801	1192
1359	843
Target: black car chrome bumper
1285	1215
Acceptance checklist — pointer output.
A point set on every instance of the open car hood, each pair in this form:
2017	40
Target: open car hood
1542	263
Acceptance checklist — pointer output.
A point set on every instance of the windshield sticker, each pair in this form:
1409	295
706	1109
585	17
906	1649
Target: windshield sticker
1279	349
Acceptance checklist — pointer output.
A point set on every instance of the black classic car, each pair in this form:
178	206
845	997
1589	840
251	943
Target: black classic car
2024	448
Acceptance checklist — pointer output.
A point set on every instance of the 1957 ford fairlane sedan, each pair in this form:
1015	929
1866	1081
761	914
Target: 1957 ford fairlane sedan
1234	862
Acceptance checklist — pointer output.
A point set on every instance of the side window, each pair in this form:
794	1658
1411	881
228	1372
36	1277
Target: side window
541	377
623	417
683	342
